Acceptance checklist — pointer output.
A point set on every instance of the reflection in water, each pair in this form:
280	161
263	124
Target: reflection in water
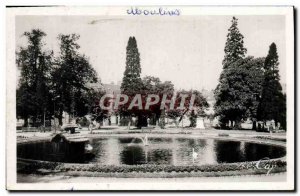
228	151
112	149
51	151
170	151
255	152
206	153
133	155
160	156
233	151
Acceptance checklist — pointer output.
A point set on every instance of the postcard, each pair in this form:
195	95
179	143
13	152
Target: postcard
150	98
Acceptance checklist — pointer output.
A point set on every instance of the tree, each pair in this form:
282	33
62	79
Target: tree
238	97
272	105
71	76
198	107
162	122
153	85
33	97
26	104
282	111
241	100
227	106
234	47
97	113
150	86
253	68
132	82
193	119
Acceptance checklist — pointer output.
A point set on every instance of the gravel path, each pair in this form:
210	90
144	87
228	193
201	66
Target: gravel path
280	177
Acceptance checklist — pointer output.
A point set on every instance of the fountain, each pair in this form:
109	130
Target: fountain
144	140
200	123
194	155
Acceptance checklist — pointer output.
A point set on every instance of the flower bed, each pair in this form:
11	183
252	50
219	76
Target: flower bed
262	167
270	138
223	135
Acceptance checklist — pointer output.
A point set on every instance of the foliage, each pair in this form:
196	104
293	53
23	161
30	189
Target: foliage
272	104
33	97
248	87
153	85
230	103
237	97
132	82
234	47
97	113
198	106
48	85
73	72
83	121
132	85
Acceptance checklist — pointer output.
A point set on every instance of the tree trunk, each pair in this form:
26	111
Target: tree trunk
231	124
34	121
138	123
254	125
181	117
237	124
276	123
90	127
25	122
60	117
141	121
128	126
43	117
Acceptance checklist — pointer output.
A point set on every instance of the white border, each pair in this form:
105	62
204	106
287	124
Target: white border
151	184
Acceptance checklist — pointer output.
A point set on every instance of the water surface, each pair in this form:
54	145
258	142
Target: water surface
133	151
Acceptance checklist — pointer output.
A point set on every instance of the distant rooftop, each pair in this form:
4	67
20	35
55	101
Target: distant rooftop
112	88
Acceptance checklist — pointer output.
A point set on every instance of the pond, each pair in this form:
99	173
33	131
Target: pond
158	150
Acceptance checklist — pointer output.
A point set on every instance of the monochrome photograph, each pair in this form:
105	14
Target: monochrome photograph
150	98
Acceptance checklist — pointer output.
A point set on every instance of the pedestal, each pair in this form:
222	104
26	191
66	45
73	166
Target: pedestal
200	123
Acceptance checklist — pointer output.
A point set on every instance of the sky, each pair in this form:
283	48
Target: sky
187	50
